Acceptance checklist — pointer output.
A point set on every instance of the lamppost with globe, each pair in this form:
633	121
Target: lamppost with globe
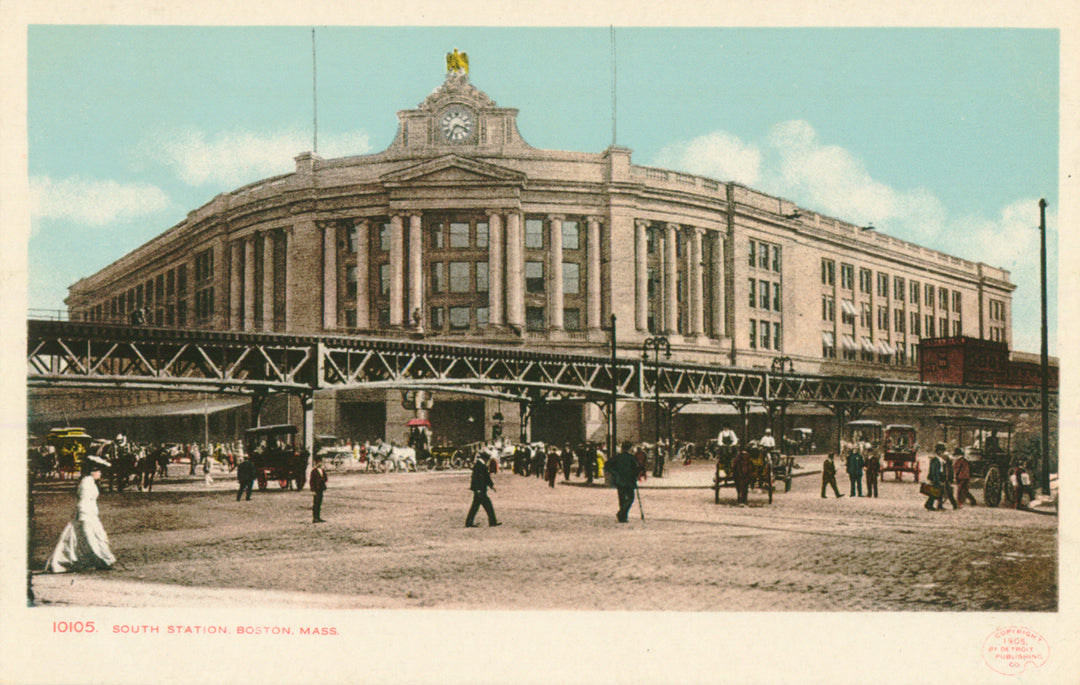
655	344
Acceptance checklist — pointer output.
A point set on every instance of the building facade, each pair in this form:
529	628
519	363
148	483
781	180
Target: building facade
460	230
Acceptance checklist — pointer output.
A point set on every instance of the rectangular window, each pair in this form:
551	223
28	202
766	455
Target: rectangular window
571	278
956	301
866	318
901	356
898	320
159	289
828	272
481	277
914	292
170	315
883	318
943	299
481	317
776	263
459	318
459	236
384	318
776	336
384	280
764	295
928	290
914	353
766	335
929	325
944	326
138	296
482	234
459	279
828	308
753	293
534	277
534	319
898	289
534	234
753	253
847	276
915	329
149	290
763	258
956	328
776	297
350	282
438	278
354	235
181	313
571	239
181	282
866	278
650	240
350	318
572	319
436	318
384	238
883	285
169	282
437	237
753	334
652	283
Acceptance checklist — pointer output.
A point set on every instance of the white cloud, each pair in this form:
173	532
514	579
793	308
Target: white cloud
236	158
717	155
93	202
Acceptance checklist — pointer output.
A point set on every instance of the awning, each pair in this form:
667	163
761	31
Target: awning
868	346
828	339
159	409
718	409
419	422
848	307
885	348
848	343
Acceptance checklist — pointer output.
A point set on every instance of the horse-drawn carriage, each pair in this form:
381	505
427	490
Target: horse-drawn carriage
274	454
761	471
900	454
990	460
69	447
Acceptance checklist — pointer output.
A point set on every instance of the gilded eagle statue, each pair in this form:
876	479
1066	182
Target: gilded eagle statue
457	61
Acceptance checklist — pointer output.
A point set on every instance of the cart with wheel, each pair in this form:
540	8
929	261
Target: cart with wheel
274	455
761	473
987	443
900	452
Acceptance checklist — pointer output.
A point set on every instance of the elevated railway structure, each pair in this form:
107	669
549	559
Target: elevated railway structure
88	355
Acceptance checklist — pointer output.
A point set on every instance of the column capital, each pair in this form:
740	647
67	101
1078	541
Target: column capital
556	217
594	219
361	221
641	223
414	213
672	226
698	230
326	224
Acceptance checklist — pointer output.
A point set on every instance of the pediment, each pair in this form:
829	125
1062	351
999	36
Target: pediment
453	169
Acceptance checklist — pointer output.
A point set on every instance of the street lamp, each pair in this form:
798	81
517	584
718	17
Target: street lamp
655	344
782	366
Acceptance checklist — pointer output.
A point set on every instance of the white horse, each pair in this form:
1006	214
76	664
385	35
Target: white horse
392	457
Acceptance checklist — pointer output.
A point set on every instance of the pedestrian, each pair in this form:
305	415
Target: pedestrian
194	457
318	487
245	476
873	471
828	476
1021	482
481	481
855	465
740	473
551	469
83	544
962	468
624	470
949	478
590	463
643	462
568	461
936	476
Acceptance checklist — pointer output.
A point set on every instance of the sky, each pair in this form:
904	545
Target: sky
945	137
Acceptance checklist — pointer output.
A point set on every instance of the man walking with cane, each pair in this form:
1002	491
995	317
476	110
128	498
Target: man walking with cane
625	469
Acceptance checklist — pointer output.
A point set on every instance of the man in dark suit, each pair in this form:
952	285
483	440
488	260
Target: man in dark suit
481	481
245	475
318	487
624	470
855	465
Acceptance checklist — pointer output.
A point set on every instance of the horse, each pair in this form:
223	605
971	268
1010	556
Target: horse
42	463
384	456
122	462
149	463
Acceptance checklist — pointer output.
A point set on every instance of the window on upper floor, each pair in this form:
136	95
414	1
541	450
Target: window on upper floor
866	278
571	276
847	276
459	235
828	272
534	277
534	234
571	238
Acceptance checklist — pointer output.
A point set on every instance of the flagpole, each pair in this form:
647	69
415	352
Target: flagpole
314	97
614	74
1045	359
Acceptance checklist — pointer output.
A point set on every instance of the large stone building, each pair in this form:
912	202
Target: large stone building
460	230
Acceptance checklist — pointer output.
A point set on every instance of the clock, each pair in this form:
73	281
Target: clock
456	123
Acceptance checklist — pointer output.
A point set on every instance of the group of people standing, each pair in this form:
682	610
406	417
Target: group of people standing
857	465
943	473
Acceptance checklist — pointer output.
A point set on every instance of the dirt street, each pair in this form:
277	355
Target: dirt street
399	541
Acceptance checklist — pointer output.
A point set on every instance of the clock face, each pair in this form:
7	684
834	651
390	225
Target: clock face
456	123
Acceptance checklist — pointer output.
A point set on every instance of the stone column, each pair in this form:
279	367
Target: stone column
641	270
363	278
671	280
592	274
268	282
397	270
697	284
718	309
555	292
249	282
330	275
515	271
236	285
495	269
416	274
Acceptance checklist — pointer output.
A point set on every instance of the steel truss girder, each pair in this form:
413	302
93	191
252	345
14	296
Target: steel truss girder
97	355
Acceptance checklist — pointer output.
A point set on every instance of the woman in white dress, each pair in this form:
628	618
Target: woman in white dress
84	545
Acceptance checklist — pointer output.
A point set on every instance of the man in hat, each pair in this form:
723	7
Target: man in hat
318	487
936	476
873	473
481	481
245	476
962	469
855	465
624	470
828	476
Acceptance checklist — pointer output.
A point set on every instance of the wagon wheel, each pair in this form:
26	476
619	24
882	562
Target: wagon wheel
284	483
457	461
1010	491
992	487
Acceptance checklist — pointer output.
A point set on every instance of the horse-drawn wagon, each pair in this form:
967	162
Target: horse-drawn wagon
900	453
273	452
70	446
760	474
990	460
